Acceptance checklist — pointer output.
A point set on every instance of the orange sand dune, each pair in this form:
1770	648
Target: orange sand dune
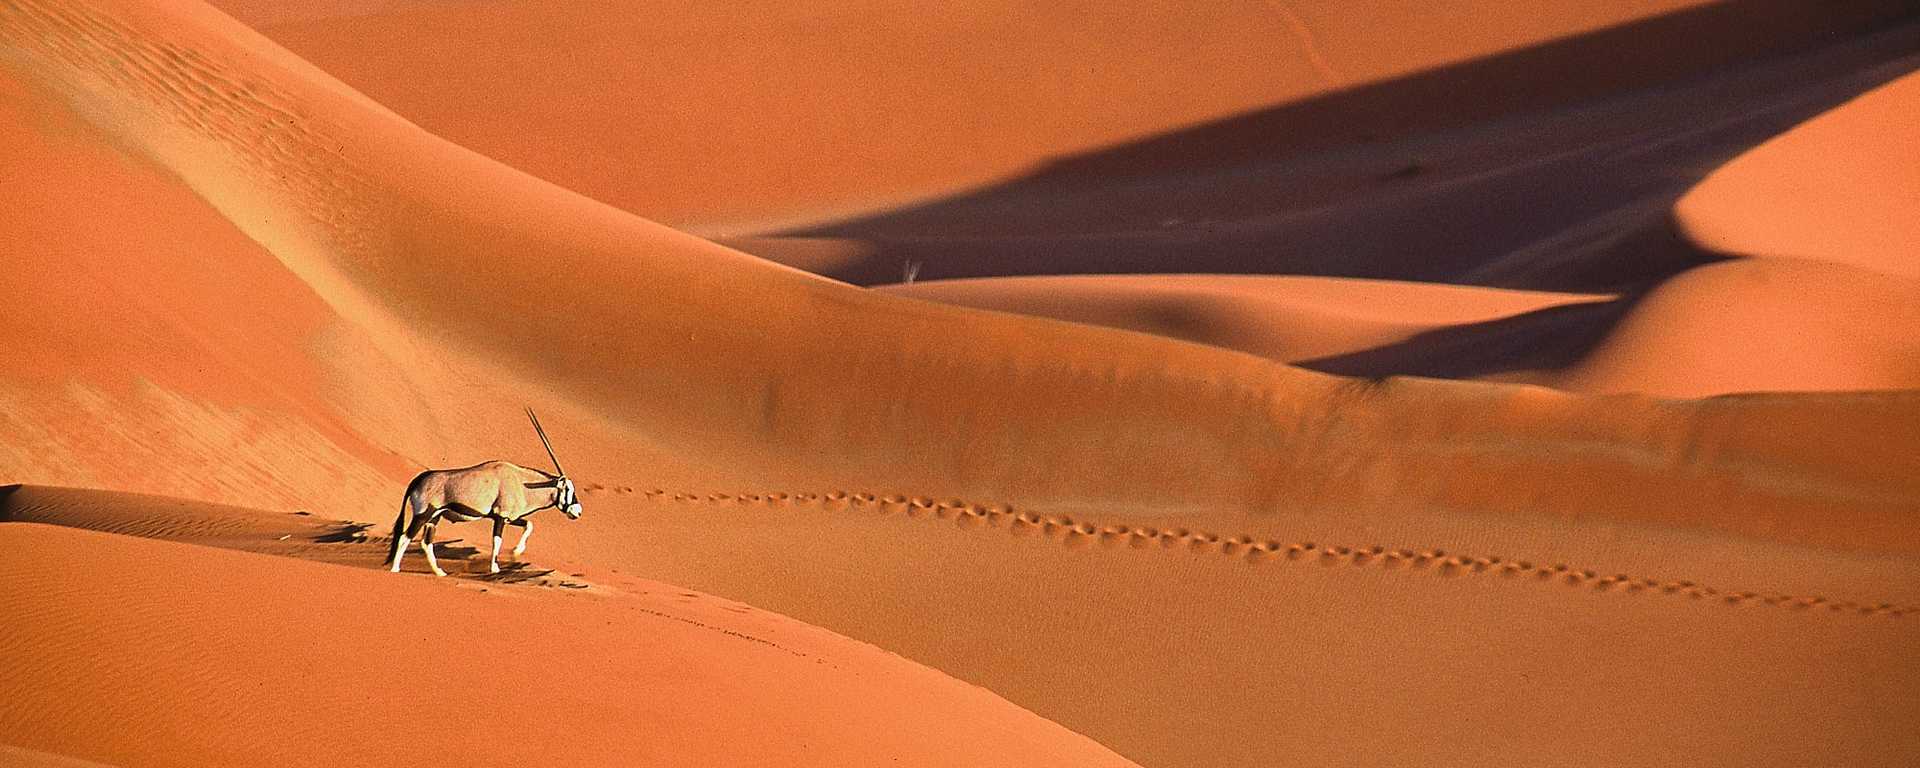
1545	562
1576	199
134	652
1289	319
734	118
1729	327
1842	188
1777	325
752	372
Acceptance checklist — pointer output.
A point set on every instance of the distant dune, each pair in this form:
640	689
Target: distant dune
233	279
1841	188
1306	320
730	119
1761	325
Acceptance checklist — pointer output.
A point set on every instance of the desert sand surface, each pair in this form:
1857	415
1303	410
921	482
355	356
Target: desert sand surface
233	279
159	652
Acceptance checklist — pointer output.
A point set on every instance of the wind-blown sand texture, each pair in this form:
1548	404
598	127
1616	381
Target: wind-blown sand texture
271	291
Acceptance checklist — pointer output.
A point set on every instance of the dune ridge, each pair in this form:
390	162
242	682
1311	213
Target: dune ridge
1290	319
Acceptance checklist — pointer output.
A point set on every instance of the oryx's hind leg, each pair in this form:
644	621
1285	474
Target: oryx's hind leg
413	529
426	545
521	548
493	560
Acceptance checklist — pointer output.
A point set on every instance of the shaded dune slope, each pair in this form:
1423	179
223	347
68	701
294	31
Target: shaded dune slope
194	653
1575	199
679	368
727	119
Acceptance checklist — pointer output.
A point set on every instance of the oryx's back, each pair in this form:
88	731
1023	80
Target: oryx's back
491	487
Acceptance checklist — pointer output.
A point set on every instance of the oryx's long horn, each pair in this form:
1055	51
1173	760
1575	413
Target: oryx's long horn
543	441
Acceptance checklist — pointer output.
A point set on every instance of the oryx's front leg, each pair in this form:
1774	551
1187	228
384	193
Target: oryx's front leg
426	545
521	548
493	561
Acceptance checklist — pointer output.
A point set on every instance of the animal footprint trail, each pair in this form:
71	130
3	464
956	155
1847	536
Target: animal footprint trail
1076	532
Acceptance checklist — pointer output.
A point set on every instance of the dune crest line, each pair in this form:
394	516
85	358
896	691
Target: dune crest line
1070	531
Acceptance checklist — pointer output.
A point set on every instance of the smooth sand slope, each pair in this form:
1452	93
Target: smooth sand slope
1842	188
1758	325
1545	562
129	651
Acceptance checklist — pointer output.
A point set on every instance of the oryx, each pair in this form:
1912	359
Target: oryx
507	493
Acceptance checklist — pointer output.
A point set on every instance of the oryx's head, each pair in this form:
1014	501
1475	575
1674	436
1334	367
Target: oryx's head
563	491
564	498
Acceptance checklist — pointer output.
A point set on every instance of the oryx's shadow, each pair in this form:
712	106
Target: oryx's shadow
514	573
359	533
461	560
345	533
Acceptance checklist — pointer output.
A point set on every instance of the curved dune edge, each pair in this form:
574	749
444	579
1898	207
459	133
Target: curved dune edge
795	382
1766	324
1839	188
1289	319
159	653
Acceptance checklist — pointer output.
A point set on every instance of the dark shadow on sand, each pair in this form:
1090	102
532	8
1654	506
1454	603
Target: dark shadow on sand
1544	339
1249	194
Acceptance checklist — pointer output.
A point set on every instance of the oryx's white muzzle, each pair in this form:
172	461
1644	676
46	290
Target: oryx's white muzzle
572	510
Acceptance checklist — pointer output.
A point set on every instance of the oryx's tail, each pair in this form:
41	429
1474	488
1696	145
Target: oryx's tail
400	522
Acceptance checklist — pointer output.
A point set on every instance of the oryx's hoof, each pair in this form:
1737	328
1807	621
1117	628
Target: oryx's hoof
493	567
518	551
438	572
